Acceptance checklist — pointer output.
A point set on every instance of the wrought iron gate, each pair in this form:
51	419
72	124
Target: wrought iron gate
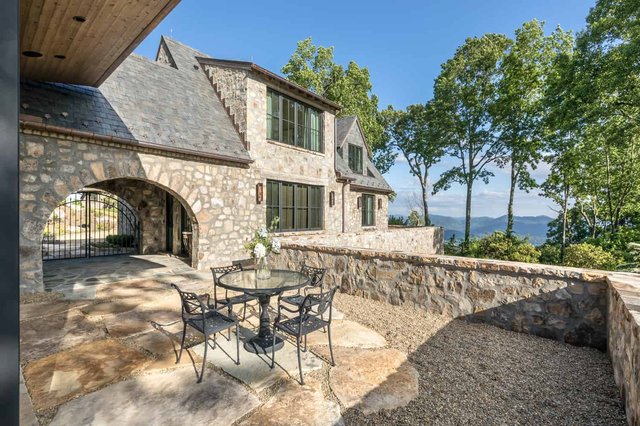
89	224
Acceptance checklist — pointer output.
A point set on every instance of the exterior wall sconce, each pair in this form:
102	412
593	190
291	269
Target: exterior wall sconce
359	202
379	203
259	193
332	199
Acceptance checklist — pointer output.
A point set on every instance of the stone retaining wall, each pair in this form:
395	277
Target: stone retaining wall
624	339
577	306
423	240
564	304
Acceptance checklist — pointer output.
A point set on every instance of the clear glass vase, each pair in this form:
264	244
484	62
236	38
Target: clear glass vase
263	272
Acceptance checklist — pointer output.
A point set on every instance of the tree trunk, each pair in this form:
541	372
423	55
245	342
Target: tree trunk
512	191
563	242
467	222
425	208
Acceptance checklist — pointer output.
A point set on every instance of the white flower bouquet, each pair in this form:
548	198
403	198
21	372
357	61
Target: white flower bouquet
261	245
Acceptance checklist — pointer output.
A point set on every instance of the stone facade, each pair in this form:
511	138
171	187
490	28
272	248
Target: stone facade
624	339
559	303
231	85
353	213
422	241
219	197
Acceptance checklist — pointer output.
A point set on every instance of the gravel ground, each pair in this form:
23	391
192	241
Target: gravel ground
479	374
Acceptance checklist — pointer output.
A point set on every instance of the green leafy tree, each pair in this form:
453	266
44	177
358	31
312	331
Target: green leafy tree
412	133
414	219
465	94
313	67
518	110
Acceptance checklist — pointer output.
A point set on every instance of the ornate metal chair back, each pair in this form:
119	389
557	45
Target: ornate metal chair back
219	271
316	275
191	303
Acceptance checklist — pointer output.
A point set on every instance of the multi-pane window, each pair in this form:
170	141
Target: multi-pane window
293	122
368	212
298	206
273	116
355	158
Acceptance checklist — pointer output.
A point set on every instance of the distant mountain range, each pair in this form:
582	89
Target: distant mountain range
534	227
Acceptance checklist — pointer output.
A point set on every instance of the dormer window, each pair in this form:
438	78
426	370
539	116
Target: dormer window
292	122
355	158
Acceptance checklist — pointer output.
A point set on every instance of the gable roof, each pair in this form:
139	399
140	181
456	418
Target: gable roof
346	126
147	101
275	78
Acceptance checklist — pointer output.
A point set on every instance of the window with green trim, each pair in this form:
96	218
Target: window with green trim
293	122
368	210
298	206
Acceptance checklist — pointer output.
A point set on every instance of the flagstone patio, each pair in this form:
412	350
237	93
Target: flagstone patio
108	357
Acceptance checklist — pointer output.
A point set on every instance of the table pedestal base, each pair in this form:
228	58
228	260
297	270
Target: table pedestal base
262	345
263	342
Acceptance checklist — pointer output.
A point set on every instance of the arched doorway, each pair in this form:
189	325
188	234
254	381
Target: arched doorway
91	223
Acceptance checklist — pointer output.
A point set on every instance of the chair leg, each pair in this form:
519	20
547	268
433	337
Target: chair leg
237	344
184	333
273	348
333	363
229	329
204	358
214	341
244	311
299	361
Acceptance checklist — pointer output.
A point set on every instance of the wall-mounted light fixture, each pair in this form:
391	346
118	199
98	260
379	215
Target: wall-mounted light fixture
379	203
259	193
332	199
359	201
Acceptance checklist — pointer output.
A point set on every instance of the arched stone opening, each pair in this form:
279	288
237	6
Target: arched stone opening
122	216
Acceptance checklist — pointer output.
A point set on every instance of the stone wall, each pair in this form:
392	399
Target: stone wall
149	203
624	339
423	240
219	196
232	85
564	304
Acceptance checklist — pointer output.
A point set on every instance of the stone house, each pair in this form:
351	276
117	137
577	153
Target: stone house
197	147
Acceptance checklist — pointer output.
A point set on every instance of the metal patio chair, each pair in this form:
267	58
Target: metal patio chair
316	277
306	321
206	319
229	301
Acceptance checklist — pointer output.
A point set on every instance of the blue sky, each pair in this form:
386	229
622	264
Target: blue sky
403	43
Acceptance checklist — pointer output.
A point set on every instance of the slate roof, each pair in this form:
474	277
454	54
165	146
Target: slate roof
144	100
349	131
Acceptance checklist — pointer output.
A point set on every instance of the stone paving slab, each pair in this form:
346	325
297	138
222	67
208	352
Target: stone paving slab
254	369
85	368
30	311
349	334
293	404
41	337
373	379
163	398
156	342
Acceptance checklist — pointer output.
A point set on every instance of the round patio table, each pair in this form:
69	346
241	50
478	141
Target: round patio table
247	282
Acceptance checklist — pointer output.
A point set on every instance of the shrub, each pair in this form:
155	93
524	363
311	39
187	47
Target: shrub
122	240
549	254
585	255
499	246
397	220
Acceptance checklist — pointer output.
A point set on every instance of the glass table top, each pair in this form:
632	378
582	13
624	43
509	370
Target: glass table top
281	280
